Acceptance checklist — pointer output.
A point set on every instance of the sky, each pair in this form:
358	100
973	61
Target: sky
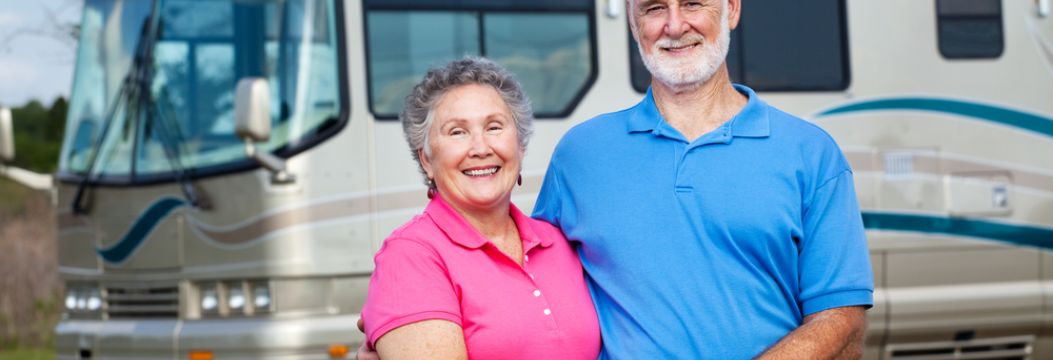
36	51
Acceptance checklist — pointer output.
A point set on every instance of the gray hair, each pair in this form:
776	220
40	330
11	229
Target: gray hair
418	111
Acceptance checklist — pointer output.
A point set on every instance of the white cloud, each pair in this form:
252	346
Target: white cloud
34	66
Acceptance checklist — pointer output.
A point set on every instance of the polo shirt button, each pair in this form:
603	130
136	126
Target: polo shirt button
531	276
526	258
548	312
537	293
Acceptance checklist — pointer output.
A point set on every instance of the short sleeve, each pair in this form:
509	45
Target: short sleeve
409	284
549	199
834	260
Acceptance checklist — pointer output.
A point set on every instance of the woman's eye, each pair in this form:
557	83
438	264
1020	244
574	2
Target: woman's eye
456	132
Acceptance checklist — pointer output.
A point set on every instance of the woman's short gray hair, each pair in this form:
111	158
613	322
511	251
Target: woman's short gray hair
417	113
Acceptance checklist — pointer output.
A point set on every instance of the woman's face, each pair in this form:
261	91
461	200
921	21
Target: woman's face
475	154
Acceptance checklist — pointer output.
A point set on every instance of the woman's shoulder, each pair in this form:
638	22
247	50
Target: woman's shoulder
420	232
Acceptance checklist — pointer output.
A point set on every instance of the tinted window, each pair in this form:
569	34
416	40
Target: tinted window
548	45
201	50
782	46
406	43
970	29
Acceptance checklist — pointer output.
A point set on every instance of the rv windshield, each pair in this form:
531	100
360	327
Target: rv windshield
200	49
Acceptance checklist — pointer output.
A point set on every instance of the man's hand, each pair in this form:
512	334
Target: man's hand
829	334
364	352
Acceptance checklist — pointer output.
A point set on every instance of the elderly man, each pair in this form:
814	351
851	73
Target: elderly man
710	224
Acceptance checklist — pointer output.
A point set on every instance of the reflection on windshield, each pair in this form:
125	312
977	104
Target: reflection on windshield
203	48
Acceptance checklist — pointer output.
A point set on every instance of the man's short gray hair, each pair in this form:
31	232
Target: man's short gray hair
419	108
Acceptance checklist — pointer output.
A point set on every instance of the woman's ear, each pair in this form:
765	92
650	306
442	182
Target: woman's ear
425	163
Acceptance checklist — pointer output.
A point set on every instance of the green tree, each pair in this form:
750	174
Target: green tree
38	134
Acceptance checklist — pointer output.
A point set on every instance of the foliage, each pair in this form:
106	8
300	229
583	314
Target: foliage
27	354
38	134
30	288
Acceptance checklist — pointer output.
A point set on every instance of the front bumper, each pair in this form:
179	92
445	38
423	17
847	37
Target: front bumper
279	337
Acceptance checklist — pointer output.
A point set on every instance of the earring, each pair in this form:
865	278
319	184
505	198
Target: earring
519	181
431	189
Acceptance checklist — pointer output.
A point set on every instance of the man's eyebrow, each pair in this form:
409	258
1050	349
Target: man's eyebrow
645	3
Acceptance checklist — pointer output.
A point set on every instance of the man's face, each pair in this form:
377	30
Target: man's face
682	43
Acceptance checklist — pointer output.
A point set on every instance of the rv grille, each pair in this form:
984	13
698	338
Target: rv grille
1008	348
142	301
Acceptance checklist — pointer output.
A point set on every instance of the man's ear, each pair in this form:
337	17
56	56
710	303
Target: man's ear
425	163
734	12
629	11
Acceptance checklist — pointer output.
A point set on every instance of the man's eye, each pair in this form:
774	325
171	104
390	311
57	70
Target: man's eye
456	132
652	9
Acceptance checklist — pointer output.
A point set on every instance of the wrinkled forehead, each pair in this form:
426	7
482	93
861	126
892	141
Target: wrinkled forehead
632	4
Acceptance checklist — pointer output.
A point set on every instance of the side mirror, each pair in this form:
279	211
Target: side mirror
252	109
252	123
7	136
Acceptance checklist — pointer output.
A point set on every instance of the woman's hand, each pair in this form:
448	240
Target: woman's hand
364	352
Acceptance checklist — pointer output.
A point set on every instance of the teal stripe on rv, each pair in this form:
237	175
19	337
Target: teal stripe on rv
1010	233
1009	117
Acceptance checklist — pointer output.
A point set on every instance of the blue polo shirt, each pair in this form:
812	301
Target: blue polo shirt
715	248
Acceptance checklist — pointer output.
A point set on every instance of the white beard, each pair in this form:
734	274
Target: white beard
691	72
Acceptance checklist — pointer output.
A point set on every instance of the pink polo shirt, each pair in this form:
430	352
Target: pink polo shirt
438	266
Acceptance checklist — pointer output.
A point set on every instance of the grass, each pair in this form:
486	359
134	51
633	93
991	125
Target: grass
27	354
12	195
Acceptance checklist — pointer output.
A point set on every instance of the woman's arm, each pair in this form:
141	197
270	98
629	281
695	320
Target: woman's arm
428	339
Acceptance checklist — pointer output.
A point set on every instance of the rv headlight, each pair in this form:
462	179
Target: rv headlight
94	299
209	298
261	297
71	299
235	297
82	300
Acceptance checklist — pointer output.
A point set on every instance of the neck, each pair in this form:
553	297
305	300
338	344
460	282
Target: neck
697	109
494	223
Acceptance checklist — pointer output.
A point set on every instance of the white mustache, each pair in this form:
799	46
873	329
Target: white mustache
686	40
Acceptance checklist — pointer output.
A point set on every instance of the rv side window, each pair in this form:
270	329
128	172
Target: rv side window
969	29
782	46
547	44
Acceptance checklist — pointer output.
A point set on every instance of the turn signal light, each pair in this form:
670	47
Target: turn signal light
338	351
200	355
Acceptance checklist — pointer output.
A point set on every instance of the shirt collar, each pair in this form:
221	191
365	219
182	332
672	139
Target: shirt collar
751	121
460	232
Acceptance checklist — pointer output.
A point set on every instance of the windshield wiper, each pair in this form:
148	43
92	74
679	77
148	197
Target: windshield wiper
135	96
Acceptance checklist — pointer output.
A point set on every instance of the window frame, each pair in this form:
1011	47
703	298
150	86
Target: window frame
481	8
246	164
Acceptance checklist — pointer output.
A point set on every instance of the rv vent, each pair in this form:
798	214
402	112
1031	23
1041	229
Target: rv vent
141	301
1008	348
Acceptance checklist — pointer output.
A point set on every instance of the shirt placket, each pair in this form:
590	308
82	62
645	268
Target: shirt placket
543	306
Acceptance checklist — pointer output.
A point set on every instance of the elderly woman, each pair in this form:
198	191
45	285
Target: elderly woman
473	277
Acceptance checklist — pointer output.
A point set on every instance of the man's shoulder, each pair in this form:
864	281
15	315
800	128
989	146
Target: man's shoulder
607	123
796	128
595	131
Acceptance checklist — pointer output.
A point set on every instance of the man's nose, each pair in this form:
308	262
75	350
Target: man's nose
675	24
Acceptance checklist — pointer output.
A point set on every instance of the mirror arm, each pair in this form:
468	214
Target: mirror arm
279	174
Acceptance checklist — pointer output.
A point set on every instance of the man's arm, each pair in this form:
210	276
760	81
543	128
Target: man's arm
829	334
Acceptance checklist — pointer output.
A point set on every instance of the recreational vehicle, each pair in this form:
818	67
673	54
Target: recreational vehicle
189	229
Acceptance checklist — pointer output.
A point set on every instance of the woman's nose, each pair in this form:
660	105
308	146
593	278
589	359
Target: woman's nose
479	146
